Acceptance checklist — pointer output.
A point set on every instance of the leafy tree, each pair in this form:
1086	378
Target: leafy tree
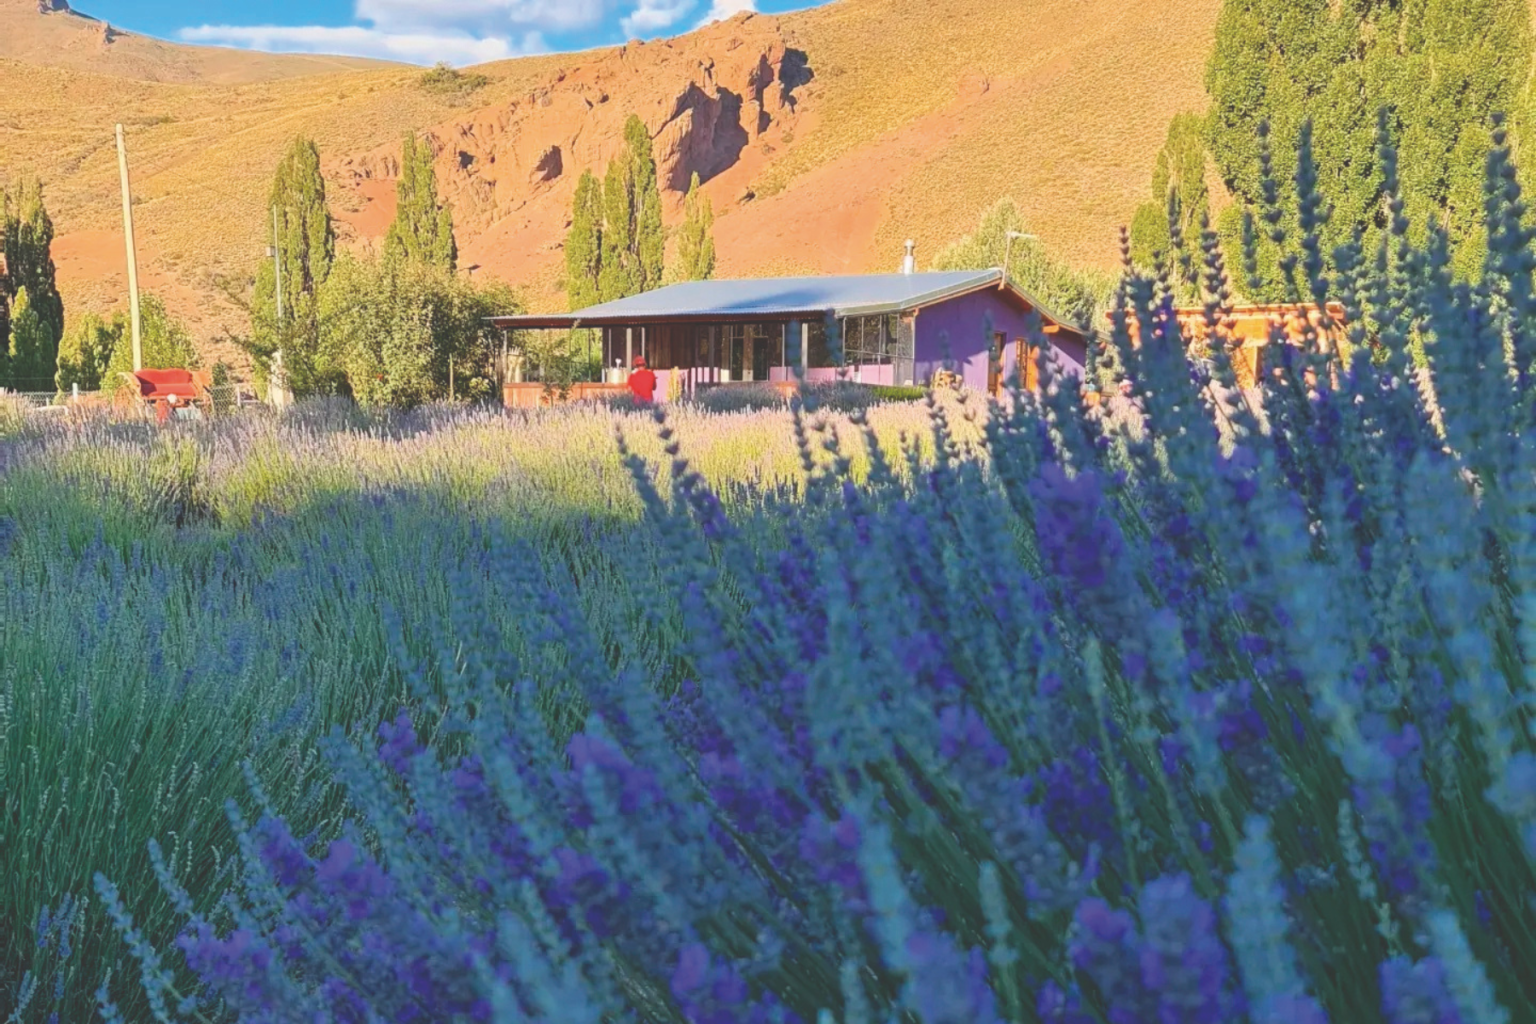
167	344
26	241
584	243
634	239
307	249
1439	68
87	350
393	331
1076	296
696	243
423	229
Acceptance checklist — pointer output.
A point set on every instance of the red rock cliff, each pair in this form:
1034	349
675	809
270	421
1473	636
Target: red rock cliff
711	101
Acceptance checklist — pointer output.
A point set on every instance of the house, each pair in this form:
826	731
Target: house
895	328
1248	329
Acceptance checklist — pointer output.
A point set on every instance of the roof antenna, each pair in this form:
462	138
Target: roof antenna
909	265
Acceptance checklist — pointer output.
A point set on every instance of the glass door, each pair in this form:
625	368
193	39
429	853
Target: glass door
763	351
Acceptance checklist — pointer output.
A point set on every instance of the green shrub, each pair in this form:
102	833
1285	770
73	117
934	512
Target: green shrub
447	81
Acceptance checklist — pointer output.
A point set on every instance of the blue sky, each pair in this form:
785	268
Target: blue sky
420	31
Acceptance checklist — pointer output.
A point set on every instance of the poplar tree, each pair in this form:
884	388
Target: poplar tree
1439	68
584	243
696	243
650	234
422	232
307	249
1180	198
618	272
26	242
634	240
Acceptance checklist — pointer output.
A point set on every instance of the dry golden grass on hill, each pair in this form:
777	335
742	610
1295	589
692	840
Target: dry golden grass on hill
78	42
1078	96
921	114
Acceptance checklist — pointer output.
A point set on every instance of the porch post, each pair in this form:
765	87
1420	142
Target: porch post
629	348
805	346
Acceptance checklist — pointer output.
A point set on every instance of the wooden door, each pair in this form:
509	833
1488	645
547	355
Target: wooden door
1028	357
995	365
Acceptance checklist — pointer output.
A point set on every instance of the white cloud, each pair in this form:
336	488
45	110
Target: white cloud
655	16
419	47
485	17
468	31
724	9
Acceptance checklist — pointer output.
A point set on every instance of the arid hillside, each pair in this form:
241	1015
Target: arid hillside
826	137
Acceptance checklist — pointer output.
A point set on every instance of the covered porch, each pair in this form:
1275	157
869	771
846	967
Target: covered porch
691	353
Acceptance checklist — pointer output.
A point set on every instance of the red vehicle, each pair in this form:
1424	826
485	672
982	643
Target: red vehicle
171	390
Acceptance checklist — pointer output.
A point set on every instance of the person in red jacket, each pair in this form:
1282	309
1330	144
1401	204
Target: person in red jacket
642	382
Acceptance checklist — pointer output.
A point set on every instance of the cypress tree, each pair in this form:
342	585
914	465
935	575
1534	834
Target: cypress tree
584	243
26	241
5	338
696	243
423	229
307	244
31	346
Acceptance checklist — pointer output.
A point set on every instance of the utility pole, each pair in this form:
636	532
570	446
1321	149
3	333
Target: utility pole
277	386
277	265
133	259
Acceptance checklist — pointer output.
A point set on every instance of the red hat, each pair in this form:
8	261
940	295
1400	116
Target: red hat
639	360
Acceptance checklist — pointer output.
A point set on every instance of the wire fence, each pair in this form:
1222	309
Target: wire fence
219	397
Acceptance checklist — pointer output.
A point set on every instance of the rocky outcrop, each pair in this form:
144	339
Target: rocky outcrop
705	98
52	6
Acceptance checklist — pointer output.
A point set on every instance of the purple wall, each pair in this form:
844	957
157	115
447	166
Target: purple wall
855	374
963	321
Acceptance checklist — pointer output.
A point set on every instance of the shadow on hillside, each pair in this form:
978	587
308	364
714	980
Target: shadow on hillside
795	72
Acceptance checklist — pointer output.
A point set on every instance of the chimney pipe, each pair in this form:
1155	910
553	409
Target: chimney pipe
909	265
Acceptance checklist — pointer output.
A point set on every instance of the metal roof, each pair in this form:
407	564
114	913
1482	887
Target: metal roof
781	298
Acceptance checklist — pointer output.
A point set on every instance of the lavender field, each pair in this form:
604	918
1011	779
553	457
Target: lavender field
939	713
179	600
